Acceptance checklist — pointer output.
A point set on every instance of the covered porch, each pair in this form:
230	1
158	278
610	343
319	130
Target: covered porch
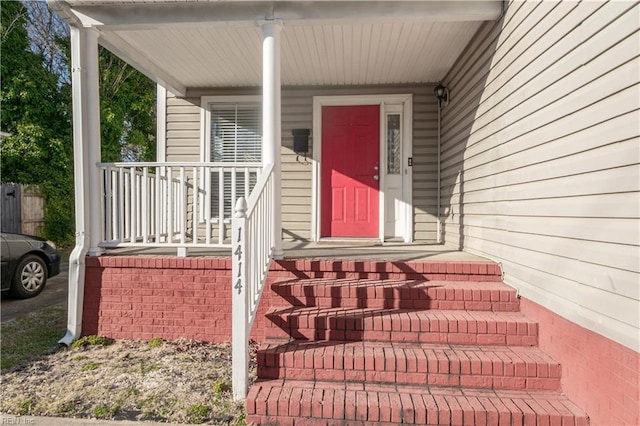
214	53
355	59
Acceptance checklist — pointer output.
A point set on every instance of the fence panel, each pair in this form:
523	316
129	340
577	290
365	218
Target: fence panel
11	211
32	210
22	209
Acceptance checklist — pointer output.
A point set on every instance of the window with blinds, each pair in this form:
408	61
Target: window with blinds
236	133
236	137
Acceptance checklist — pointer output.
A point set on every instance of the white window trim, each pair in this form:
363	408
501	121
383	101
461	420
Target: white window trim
205	118
406	100
205	121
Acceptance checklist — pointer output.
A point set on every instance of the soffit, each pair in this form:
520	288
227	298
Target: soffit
219	44
347	54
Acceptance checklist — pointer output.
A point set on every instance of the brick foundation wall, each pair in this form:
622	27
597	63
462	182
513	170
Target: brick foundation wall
598	374
140	297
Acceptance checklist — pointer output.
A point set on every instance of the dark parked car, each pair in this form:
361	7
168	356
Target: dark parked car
27	262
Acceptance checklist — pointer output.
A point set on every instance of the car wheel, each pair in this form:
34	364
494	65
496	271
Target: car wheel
30	277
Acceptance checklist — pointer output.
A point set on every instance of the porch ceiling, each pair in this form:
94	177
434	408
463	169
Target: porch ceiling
218	44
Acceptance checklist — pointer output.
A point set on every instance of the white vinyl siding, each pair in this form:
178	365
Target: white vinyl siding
183	129
541	158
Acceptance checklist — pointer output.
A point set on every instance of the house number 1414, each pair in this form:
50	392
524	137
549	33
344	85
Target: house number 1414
238	253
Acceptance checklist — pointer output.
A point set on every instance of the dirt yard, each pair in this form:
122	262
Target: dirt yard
180	382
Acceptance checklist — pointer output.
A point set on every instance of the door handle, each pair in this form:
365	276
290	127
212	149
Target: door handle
376	177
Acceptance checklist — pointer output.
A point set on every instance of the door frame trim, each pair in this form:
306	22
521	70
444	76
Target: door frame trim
406	100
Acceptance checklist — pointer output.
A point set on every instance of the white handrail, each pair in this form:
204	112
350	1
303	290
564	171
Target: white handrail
252	251
179	205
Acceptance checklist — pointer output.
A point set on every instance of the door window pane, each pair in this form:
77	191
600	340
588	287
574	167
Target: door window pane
394	139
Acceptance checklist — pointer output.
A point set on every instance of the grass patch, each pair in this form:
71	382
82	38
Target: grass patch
148	367
220	387
24	407
155	342
91	366
198	413
104	411
31	336
92	340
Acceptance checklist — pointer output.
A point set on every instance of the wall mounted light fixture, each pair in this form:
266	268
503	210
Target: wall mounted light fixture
442	93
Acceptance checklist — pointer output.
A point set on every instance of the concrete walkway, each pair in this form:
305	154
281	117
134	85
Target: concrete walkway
6	419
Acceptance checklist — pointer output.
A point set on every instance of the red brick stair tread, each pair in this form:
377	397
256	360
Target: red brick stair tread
460	327
454	268
300	402
399	293
427	364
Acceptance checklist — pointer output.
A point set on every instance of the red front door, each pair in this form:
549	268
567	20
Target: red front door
350	171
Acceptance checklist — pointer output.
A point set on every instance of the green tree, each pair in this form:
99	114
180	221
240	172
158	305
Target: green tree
35	112
127	111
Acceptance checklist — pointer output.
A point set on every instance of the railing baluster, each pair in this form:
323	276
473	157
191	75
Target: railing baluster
121	195
166	184
144	197
183	204
113	205
139	189
220	205
170	207
207	203
106	184
133	209
158	205
196	195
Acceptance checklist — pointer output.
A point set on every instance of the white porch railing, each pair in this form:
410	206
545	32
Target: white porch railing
252	252
172	204
192	205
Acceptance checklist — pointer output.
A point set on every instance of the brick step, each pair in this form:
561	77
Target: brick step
377	269
401	325
294	402
428	364
406	294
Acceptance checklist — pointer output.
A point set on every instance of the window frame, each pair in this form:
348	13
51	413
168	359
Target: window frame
205	128
205	119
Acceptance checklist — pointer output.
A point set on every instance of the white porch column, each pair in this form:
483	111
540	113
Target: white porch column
271	119
161	123
86	153
93	142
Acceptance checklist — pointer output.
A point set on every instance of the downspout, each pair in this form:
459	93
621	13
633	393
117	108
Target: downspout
438	190
86	147
442	94
76	288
